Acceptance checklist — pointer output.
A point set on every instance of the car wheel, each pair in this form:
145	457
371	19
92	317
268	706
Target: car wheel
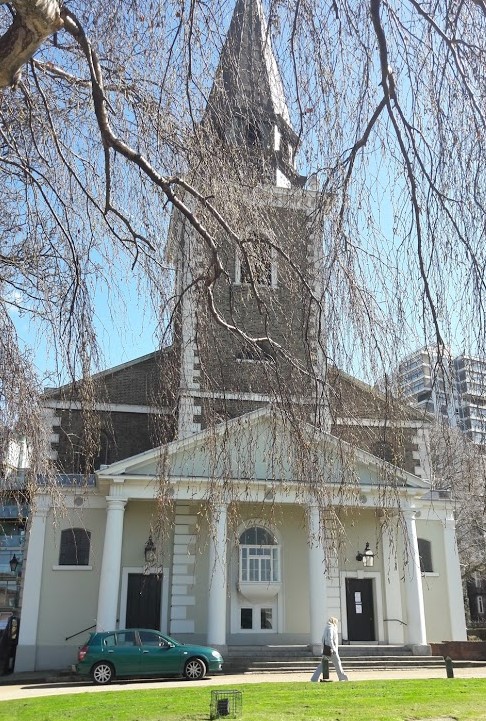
102	673
194	669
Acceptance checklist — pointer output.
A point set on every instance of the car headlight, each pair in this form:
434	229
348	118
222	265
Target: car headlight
216	654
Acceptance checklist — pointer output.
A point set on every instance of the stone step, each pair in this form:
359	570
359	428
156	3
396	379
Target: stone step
305	652
304	662
299	659
281	666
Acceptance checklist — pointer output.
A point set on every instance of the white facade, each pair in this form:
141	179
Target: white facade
205	594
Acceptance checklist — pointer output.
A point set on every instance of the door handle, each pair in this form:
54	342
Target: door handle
144	651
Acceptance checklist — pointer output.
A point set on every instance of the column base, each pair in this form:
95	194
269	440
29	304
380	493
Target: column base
25	657
421	649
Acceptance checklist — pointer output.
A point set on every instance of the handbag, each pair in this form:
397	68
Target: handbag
326	650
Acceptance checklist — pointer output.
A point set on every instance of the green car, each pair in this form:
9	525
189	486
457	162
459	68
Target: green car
143	652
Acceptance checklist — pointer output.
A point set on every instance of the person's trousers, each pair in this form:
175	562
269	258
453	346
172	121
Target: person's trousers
336	661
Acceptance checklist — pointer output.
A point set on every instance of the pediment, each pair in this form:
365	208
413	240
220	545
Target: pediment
260	447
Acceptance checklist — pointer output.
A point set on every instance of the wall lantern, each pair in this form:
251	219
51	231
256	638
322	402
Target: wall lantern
367	557
14	563
149	551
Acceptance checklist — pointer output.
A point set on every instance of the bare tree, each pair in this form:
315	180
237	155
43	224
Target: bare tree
102	135
459	466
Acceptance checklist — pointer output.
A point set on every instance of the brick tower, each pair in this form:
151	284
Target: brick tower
250	335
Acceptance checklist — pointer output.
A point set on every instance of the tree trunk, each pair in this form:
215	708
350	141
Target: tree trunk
34	21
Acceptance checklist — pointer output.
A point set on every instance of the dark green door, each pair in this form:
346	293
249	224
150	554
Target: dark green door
143	600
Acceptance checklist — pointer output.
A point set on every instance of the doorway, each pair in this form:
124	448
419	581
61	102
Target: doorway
144	591
360	609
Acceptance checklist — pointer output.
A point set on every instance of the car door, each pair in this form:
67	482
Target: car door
122	649
159	657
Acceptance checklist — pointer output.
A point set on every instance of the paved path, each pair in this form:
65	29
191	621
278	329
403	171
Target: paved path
15	688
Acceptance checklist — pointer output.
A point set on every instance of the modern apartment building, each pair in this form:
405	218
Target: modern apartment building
470	378
452	389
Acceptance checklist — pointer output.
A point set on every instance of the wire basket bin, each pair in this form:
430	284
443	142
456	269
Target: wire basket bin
225	704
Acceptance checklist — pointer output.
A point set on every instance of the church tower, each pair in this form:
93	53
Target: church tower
248	323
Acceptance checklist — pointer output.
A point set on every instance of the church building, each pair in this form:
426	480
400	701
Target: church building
240	489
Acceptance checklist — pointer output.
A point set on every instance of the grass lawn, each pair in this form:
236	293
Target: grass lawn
457	699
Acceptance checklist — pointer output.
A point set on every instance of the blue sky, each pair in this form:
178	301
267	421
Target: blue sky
127	329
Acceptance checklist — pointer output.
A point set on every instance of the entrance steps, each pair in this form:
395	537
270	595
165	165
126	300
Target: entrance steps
299	659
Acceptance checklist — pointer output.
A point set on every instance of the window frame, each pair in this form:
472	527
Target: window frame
259	563
271	260
425	555
71	547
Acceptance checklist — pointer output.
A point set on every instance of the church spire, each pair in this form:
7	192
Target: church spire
247	106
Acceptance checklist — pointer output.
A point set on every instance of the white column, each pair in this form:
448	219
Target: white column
111	565
416	633
317	581
454	581
26	651
394	621
217	577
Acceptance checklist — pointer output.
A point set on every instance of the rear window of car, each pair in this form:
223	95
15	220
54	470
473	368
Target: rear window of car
109	640
126	638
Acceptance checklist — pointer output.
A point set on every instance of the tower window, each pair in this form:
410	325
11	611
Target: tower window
253	135
256	266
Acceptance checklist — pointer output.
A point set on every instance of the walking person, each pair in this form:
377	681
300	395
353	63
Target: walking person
330	650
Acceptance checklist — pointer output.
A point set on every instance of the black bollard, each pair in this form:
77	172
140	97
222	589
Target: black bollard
449	667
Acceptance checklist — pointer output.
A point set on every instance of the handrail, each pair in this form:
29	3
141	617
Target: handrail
396	619
79	632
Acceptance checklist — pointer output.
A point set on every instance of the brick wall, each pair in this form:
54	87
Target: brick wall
460	650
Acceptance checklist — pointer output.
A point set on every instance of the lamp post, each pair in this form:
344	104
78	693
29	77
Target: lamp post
367	557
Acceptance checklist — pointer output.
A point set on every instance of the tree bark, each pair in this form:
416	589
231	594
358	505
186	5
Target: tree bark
33	22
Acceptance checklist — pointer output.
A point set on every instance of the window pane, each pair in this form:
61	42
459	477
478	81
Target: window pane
425	553
149	638
74	550
266	618
259	259
126	638
254	569
276	571
8	594
246	618
244	564
257	536
265	574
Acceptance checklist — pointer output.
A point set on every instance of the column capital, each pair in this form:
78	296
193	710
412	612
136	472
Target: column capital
116	504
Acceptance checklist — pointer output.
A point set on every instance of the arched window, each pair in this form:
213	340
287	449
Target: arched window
425	554
75	547
259	556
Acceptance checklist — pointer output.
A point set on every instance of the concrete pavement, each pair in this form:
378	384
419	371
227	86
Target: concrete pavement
21	686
